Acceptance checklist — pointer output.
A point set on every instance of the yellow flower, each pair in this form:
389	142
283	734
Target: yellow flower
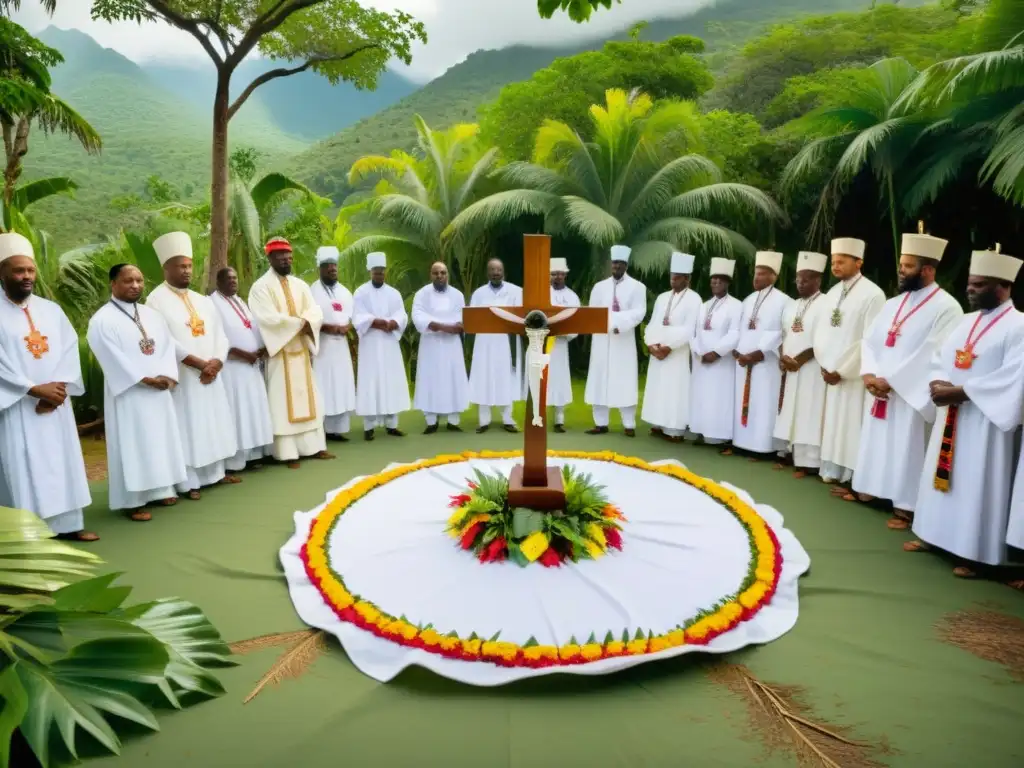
699	630
490	648
675	638
732	611
595	532
534	545
764	574
636	647
591	651
615	646
594	549
479	517
430	637
472	647
659	643
538	652
367	611
457	516
718	621
567	652
450	643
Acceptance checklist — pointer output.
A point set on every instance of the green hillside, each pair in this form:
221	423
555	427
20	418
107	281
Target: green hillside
456	95
146	131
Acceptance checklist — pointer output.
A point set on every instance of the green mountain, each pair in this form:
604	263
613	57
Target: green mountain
146	131
455	96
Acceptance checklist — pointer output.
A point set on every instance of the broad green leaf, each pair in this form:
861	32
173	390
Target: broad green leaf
15	706
93	595
526	521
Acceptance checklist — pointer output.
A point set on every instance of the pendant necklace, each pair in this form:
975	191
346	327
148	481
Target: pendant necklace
897	323
235	305
711	311
335	305
752	325
36	344
798	321
146	344
837	313
195	322
672	302
965	357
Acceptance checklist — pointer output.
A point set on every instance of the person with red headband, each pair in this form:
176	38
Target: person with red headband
289	322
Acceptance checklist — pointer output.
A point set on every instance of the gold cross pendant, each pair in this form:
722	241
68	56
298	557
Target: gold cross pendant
37	344
196	325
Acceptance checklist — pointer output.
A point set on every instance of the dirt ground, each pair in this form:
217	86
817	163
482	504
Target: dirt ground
94	449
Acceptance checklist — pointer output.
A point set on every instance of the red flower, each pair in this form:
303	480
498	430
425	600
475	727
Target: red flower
613	538
470	534
458	500
473	485
550	558
496	551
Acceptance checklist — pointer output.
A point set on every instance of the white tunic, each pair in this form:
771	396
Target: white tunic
667	392
494	376
803	405
245	383
559	377
41	465
713	386
383	389
145	459
281	305
837	350
891	452
612	376
333	363
441	382
970	519
766	308
204	411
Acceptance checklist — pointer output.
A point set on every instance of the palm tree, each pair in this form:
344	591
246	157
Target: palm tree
869	127
416	198
636	181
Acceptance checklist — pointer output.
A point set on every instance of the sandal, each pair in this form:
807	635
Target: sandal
230	480
915	546
1017	584
195	495
900	521
294	465
82	536
726	452
138	515
324	455
168	502
963	572
799	474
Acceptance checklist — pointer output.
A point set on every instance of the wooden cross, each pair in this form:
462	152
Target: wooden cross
533	484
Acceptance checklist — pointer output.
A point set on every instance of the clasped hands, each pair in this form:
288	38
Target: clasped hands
248	357
335	330
51	396
659	351
789	364
384	325
947	393
877	386
452	328
748	360
159	382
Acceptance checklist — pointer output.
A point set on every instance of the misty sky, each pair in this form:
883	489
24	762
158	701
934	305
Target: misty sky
455	28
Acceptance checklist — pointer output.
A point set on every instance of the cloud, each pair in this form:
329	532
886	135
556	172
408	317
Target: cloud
455	28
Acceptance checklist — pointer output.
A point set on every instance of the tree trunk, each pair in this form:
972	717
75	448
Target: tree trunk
218	258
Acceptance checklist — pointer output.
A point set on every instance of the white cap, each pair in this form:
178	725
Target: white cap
725	267
850	246
376	259
558	264
770	259
682	263
171	245
811	261
925	246
621	253
995	264
13	244
326	254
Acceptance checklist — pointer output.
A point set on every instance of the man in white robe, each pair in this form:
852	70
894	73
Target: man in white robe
41	465
895	362
380	320
135	349
758	380
442	387
494	374
333	363
559	376
668	335
851	305
612	379
204	411
289	321
714	370
963	502
802	408
243	375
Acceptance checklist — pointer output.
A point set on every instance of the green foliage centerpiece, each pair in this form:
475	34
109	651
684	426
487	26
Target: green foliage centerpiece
485	524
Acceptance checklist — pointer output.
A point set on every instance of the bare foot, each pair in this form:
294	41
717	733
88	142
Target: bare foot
324	455
195	495
230	480
799	474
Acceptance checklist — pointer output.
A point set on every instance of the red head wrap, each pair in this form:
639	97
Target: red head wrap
277	244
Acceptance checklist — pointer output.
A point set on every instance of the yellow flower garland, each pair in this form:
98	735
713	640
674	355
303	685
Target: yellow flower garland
767	561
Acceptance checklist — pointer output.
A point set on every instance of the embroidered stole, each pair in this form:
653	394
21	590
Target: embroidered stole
944	468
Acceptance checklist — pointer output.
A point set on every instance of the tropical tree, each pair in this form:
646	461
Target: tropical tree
578	10
416	198
636	181
339	39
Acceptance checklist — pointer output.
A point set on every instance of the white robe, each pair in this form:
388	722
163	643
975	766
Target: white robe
41	465
612	376
205	417
333	363
559	376
145	459
713	385
246	385
382	389
494	375
970	519
891	455
798	425
765	377
667	392
837	350
442	386
280	306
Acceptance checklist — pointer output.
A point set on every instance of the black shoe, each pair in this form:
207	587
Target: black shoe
630	432
453	428
337	438
368	435
559	428
431	429
480	430
396	433
510	428
597	431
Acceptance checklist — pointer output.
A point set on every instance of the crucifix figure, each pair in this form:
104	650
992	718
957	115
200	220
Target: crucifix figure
533	484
